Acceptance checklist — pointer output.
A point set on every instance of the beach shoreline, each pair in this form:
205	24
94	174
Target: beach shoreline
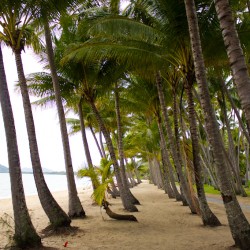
163	223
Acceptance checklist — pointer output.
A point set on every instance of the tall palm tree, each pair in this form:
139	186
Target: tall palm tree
173	146
88	89
139	91
120	145
184	57
235	54
48	10
25	234
84	137
239	225
16	38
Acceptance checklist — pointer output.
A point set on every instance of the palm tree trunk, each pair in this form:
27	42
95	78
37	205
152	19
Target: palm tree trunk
75	206
54	212
231	152
246	145
152	176
235	54
225	90
25	233
177	139
169	176
238	223
173	147
84	139
96	142
101	142
120	147
115	191
207	215
207	165
137	174
130	174
128	205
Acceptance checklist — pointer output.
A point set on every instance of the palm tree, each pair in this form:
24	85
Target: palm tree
25	234
16	37
184	57
47	11
87	88
235	54
239	225
84	138
120	145
173	146
139	91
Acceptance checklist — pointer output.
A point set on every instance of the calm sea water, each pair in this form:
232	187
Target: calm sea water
54	182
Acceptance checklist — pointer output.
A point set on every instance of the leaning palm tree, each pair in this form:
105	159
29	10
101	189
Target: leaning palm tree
25	234
184	57
239	225
120	144
12	14
47	12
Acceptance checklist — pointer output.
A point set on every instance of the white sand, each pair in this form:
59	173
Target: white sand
163	224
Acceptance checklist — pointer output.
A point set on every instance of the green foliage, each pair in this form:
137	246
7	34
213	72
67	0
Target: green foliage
143	169
101	177
210	189
99	193
91	173
105	169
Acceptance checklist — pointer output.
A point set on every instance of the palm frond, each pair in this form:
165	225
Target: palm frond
91	173
99	193
120	27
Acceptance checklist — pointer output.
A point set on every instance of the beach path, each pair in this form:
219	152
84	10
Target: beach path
163	224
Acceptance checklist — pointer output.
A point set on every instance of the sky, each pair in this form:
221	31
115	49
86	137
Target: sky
46	124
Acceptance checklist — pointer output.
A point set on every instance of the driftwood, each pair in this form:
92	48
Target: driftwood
117	216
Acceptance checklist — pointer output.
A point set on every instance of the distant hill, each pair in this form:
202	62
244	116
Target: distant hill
30	170
4	169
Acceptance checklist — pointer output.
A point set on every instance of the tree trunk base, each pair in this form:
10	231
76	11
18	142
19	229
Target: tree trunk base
212	221
75	215
243	241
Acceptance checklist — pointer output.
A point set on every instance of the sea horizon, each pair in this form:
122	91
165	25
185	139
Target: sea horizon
55	183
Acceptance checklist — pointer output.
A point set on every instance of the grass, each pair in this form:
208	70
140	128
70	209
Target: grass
211	190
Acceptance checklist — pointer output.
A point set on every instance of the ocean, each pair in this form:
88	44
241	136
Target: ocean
54	182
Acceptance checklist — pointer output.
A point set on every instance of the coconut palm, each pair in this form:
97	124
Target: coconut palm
47	12
183	57
239	225
235	54
88	89
121	50
125	196
25	234
139	91
120	144
17	37
173	146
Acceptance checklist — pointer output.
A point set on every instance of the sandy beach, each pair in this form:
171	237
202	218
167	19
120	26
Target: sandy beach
162	224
